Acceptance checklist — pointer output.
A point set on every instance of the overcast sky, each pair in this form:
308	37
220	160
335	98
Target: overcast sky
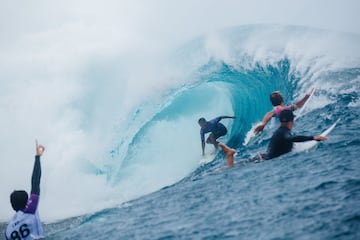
129	20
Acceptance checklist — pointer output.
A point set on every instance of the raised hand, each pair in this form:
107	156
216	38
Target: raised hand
311	91
39	149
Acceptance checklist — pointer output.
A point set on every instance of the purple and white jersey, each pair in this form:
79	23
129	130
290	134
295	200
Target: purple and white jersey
26	223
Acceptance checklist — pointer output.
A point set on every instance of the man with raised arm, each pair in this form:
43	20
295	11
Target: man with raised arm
281	142
277	100
26	222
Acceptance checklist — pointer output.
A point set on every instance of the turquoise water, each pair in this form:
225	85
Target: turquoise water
314	194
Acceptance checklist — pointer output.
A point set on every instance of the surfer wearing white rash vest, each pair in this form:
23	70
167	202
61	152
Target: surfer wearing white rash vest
26	224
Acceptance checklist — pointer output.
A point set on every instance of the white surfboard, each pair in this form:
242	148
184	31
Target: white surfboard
250	135
252	138
208	157
303	146
301	110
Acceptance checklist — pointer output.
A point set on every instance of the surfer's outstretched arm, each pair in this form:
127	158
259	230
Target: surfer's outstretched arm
263	123
229	153
35	181
203	147
218	119
227	117
301	103
300	138
36	174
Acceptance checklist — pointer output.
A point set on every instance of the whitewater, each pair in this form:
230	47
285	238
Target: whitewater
123	157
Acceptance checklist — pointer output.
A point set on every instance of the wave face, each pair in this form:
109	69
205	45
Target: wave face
232	73
155	143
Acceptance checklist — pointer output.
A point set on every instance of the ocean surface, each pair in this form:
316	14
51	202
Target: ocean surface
156	185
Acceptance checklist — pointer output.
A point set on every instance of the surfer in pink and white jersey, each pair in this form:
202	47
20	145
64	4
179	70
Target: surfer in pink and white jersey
281	142
277	100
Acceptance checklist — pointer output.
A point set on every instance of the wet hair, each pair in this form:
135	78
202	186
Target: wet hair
286	116
201	120
276	98
18	199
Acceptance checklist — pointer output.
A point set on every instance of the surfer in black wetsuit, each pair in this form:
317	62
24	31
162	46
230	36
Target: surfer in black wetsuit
281	142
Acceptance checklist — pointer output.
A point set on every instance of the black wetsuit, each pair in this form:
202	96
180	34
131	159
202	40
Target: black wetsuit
282	142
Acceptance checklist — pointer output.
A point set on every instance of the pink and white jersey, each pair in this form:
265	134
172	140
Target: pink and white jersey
278	109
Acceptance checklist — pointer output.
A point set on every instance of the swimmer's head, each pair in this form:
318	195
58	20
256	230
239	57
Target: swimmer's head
286	116
276	98
202	122
18	199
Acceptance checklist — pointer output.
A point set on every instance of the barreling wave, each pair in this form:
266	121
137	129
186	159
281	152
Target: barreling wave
233	72
230	72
